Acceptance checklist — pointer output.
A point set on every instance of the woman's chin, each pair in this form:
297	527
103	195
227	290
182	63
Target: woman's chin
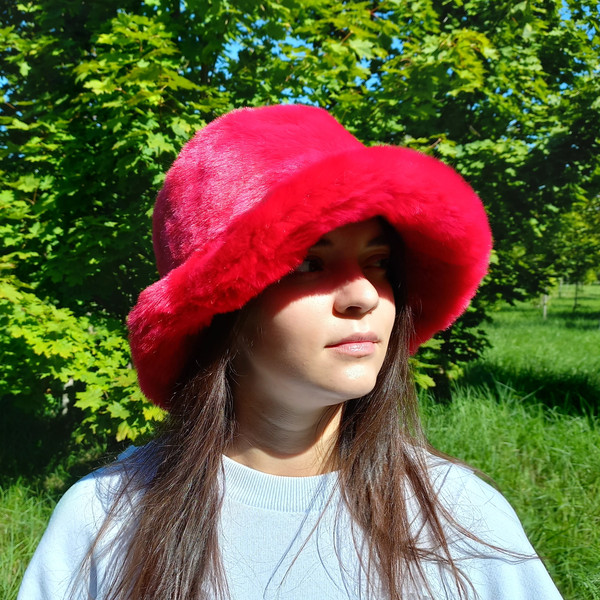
349	388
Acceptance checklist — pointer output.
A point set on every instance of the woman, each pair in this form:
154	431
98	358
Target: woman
299	270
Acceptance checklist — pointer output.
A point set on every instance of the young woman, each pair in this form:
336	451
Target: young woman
299	270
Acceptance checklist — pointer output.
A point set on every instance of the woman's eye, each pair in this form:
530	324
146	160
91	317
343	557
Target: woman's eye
379	262
310	264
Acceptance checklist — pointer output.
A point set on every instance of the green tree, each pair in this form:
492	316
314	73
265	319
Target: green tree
577	244
98	98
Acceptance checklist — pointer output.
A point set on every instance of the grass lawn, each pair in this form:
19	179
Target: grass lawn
546	464
555	360
24	514
527	414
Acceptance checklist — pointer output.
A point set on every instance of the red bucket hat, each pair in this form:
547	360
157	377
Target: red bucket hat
255	189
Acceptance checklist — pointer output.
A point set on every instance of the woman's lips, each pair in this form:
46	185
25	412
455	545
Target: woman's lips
356	346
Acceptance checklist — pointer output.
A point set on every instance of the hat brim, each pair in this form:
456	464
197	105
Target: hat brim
444	228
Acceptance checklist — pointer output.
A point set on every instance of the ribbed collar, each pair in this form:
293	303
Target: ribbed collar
274	492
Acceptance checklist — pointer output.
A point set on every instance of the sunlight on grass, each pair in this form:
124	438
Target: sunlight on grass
545	463
557	359
24	515
527	414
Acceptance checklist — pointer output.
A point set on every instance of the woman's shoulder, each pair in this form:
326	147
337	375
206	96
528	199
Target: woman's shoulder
496	556
84	507
477	505
457	483
73	529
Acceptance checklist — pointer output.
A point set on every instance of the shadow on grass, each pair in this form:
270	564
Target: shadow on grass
571	319
569	394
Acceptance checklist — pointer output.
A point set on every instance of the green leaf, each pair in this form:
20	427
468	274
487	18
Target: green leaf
118	411
90	399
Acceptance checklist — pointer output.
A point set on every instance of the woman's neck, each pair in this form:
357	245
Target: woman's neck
281	441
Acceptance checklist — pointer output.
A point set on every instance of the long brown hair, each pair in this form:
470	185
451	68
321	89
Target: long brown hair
170	549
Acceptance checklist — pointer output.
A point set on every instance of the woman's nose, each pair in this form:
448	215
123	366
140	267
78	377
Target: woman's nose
355	295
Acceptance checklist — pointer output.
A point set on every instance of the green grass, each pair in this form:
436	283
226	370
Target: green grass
27	501
545	463
555	360
526	414
24	514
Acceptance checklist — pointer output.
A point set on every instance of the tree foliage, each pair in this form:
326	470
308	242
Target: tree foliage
99	96
577	243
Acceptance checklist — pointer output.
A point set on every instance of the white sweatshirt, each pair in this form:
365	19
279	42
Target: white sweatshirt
274	545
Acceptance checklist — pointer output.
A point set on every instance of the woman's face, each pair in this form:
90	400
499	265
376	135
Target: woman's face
319	336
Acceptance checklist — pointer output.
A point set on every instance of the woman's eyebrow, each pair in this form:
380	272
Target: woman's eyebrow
380	240
323	242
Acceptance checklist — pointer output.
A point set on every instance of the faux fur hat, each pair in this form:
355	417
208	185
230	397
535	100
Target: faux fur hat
254	190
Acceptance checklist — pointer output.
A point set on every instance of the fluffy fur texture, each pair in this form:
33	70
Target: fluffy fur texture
255	189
